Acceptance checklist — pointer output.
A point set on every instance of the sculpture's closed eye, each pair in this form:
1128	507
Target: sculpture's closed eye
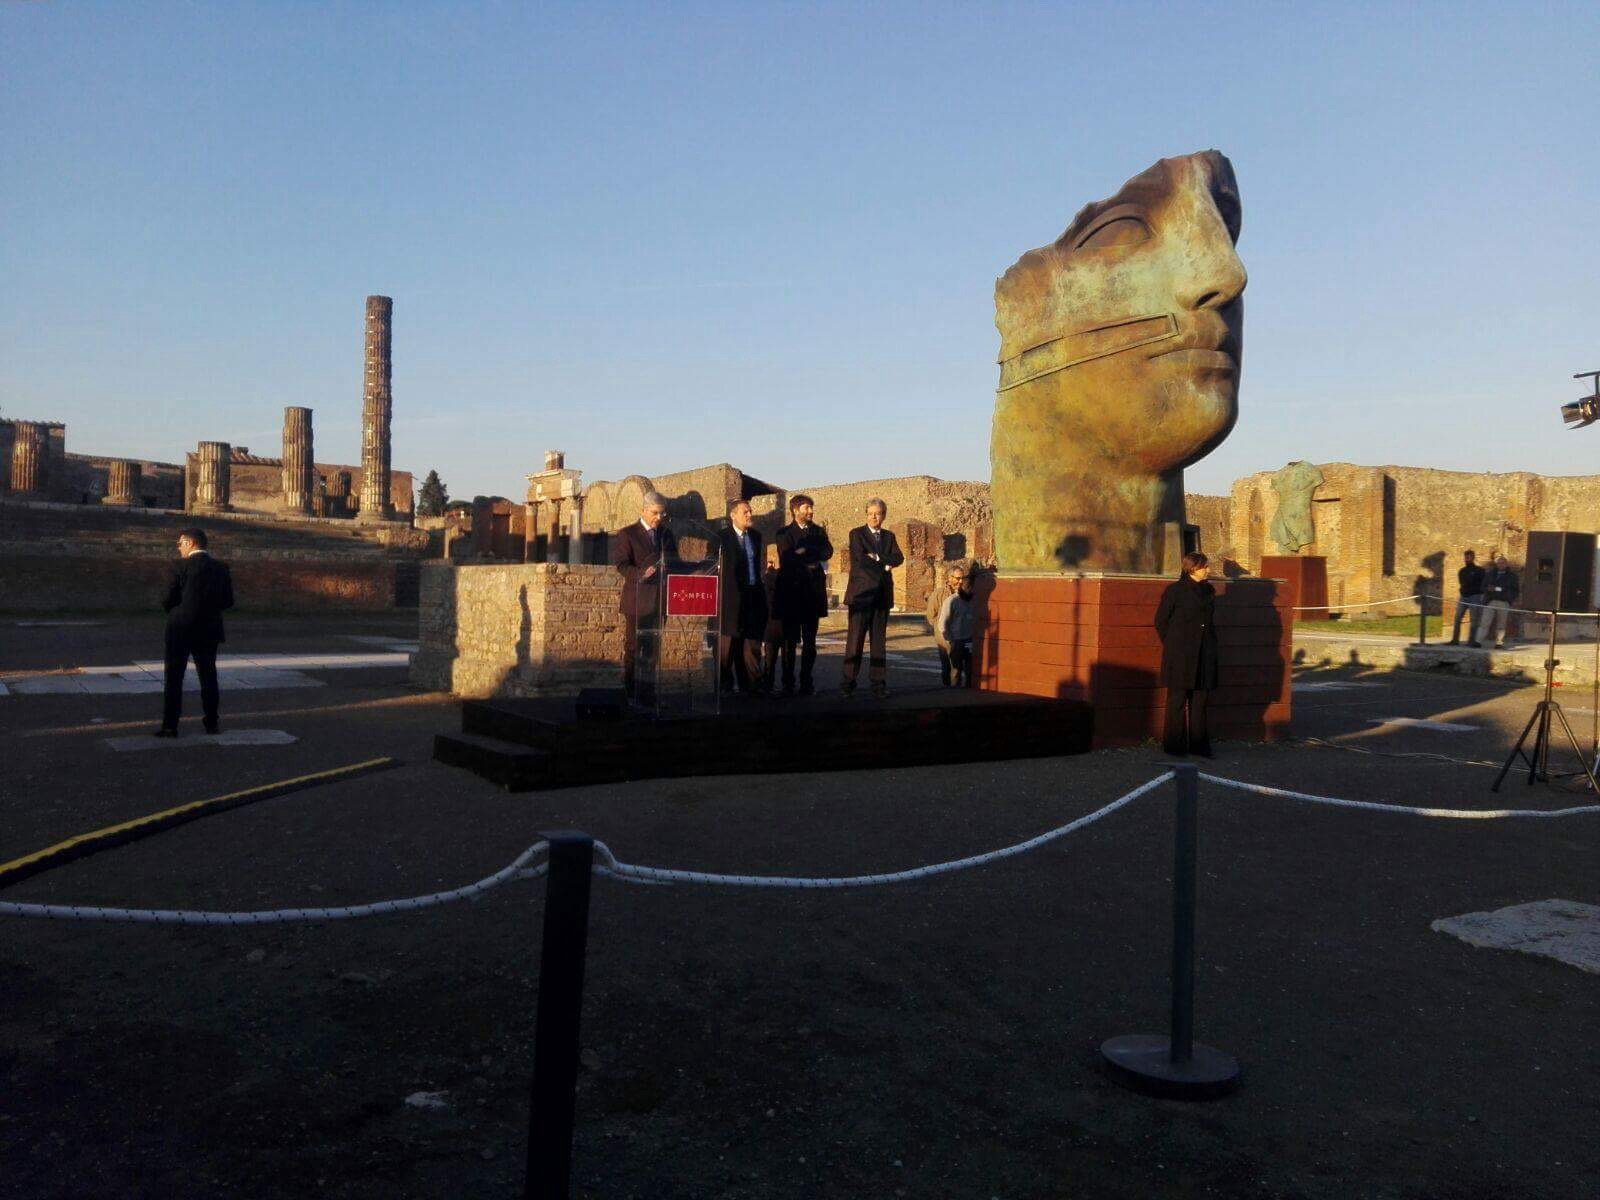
1120	231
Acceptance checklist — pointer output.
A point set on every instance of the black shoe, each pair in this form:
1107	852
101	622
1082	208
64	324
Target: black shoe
880	691
787	693
213	727
806	690
847	690
1476	645
1453	642
165	732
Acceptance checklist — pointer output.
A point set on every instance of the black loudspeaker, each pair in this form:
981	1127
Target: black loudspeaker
1568	557
602	704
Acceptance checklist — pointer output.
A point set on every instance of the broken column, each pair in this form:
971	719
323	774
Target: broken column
30	459
376	409
299	475
123	481
213	477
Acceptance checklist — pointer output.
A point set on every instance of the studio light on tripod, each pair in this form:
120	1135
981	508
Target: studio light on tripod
1587	410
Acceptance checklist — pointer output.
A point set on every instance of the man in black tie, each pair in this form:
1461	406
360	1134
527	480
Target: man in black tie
639	553
874	553
200	590
742	613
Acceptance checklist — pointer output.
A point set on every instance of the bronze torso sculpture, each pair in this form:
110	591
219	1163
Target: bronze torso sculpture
1291	526
1120	347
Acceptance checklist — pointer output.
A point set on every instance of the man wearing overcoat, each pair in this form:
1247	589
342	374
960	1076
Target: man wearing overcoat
802	591
742	610
200	590
640	553
874	553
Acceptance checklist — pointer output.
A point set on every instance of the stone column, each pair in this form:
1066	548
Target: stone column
123	480
299	476
575	541
213	477
30	460
555	548
376	410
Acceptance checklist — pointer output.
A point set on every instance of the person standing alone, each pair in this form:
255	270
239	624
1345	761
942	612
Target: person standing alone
874	553
1186	621
200	591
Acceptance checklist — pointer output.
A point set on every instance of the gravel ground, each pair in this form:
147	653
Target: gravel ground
928	1040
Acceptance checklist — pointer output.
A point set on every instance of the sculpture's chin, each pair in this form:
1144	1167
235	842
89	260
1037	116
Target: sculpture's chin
1192	421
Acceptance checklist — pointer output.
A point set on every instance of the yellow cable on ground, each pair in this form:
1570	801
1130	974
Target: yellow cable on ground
85	844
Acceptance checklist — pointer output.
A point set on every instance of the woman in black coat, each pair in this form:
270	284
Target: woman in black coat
1186	621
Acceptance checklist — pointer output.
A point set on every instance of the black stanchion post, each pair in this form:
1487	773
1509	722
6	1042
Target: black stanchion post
1175	1066
555	1038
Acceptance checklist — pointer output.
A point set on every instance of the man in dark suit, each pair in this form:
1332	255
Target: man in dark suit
640	553
201	589
742	612
802	591
874	554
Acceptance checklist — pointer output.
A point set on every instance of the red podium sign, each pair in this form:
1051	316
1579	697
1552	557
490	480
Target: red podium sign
691	595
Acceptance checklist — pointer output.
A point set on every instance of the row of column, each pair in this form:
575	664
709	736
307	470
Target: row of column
30	454
30	468
212	481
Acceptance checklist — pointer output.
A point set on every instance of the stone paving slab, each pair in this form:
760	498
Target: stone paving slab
1522	661
1564	930
228	737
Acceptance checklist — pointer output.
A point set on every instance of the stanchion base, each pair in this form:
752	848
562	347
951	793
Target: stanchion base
1143	1062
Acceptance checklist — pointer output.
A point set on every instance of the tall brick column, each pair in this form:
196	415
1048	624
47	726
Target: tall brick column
123	480
376	411
30	460
299	476
213	477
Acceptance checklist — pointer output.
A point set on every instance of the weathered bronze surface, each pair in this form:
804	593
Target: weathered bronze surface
1291	527
1120	347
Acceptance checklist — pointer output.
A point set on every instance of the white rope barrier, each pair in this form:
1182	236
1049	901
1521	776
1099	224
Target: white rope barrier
178	916
608	866
633	873
1364	604
1455	814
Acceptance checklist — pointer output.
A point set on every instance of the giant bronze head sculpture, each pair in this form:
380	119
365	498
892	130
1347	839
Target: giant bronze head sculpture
1120	347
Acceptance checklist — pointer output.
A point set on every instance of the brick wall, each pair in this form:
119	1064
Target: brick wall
85	558
1393	531
517	629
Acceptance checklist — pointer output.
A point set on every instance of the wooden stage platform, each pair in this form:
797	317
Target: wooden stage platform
525	745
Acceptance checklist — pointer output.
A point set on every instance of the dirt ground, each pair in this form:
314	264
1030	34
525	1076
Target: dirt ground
935	1039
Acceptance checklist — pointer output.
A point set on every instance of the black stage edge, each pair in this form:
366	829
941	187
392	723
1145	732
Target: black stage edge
527	745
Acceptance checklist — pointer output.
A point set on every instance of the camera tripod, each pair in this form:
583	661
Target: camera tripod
1537	758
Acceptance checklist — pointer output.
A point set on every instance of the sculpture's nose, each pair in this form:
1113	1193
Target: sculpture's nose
1214	276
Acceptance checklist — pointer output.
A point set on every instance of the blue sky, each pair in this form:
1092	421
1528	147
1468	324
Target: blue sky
659	236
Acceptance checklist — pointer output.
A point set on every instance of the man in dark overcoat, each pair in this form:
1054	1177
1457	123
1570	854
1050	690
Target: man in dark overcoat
874	553
742	610
1186	622
640	553
200	590
802	592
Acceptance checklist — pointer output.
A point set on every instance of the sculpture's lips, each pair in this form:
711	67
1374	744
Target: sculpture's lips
1200	360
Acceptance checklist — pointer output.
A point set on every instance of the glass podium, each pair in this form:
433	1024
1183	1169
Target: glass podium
676	669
